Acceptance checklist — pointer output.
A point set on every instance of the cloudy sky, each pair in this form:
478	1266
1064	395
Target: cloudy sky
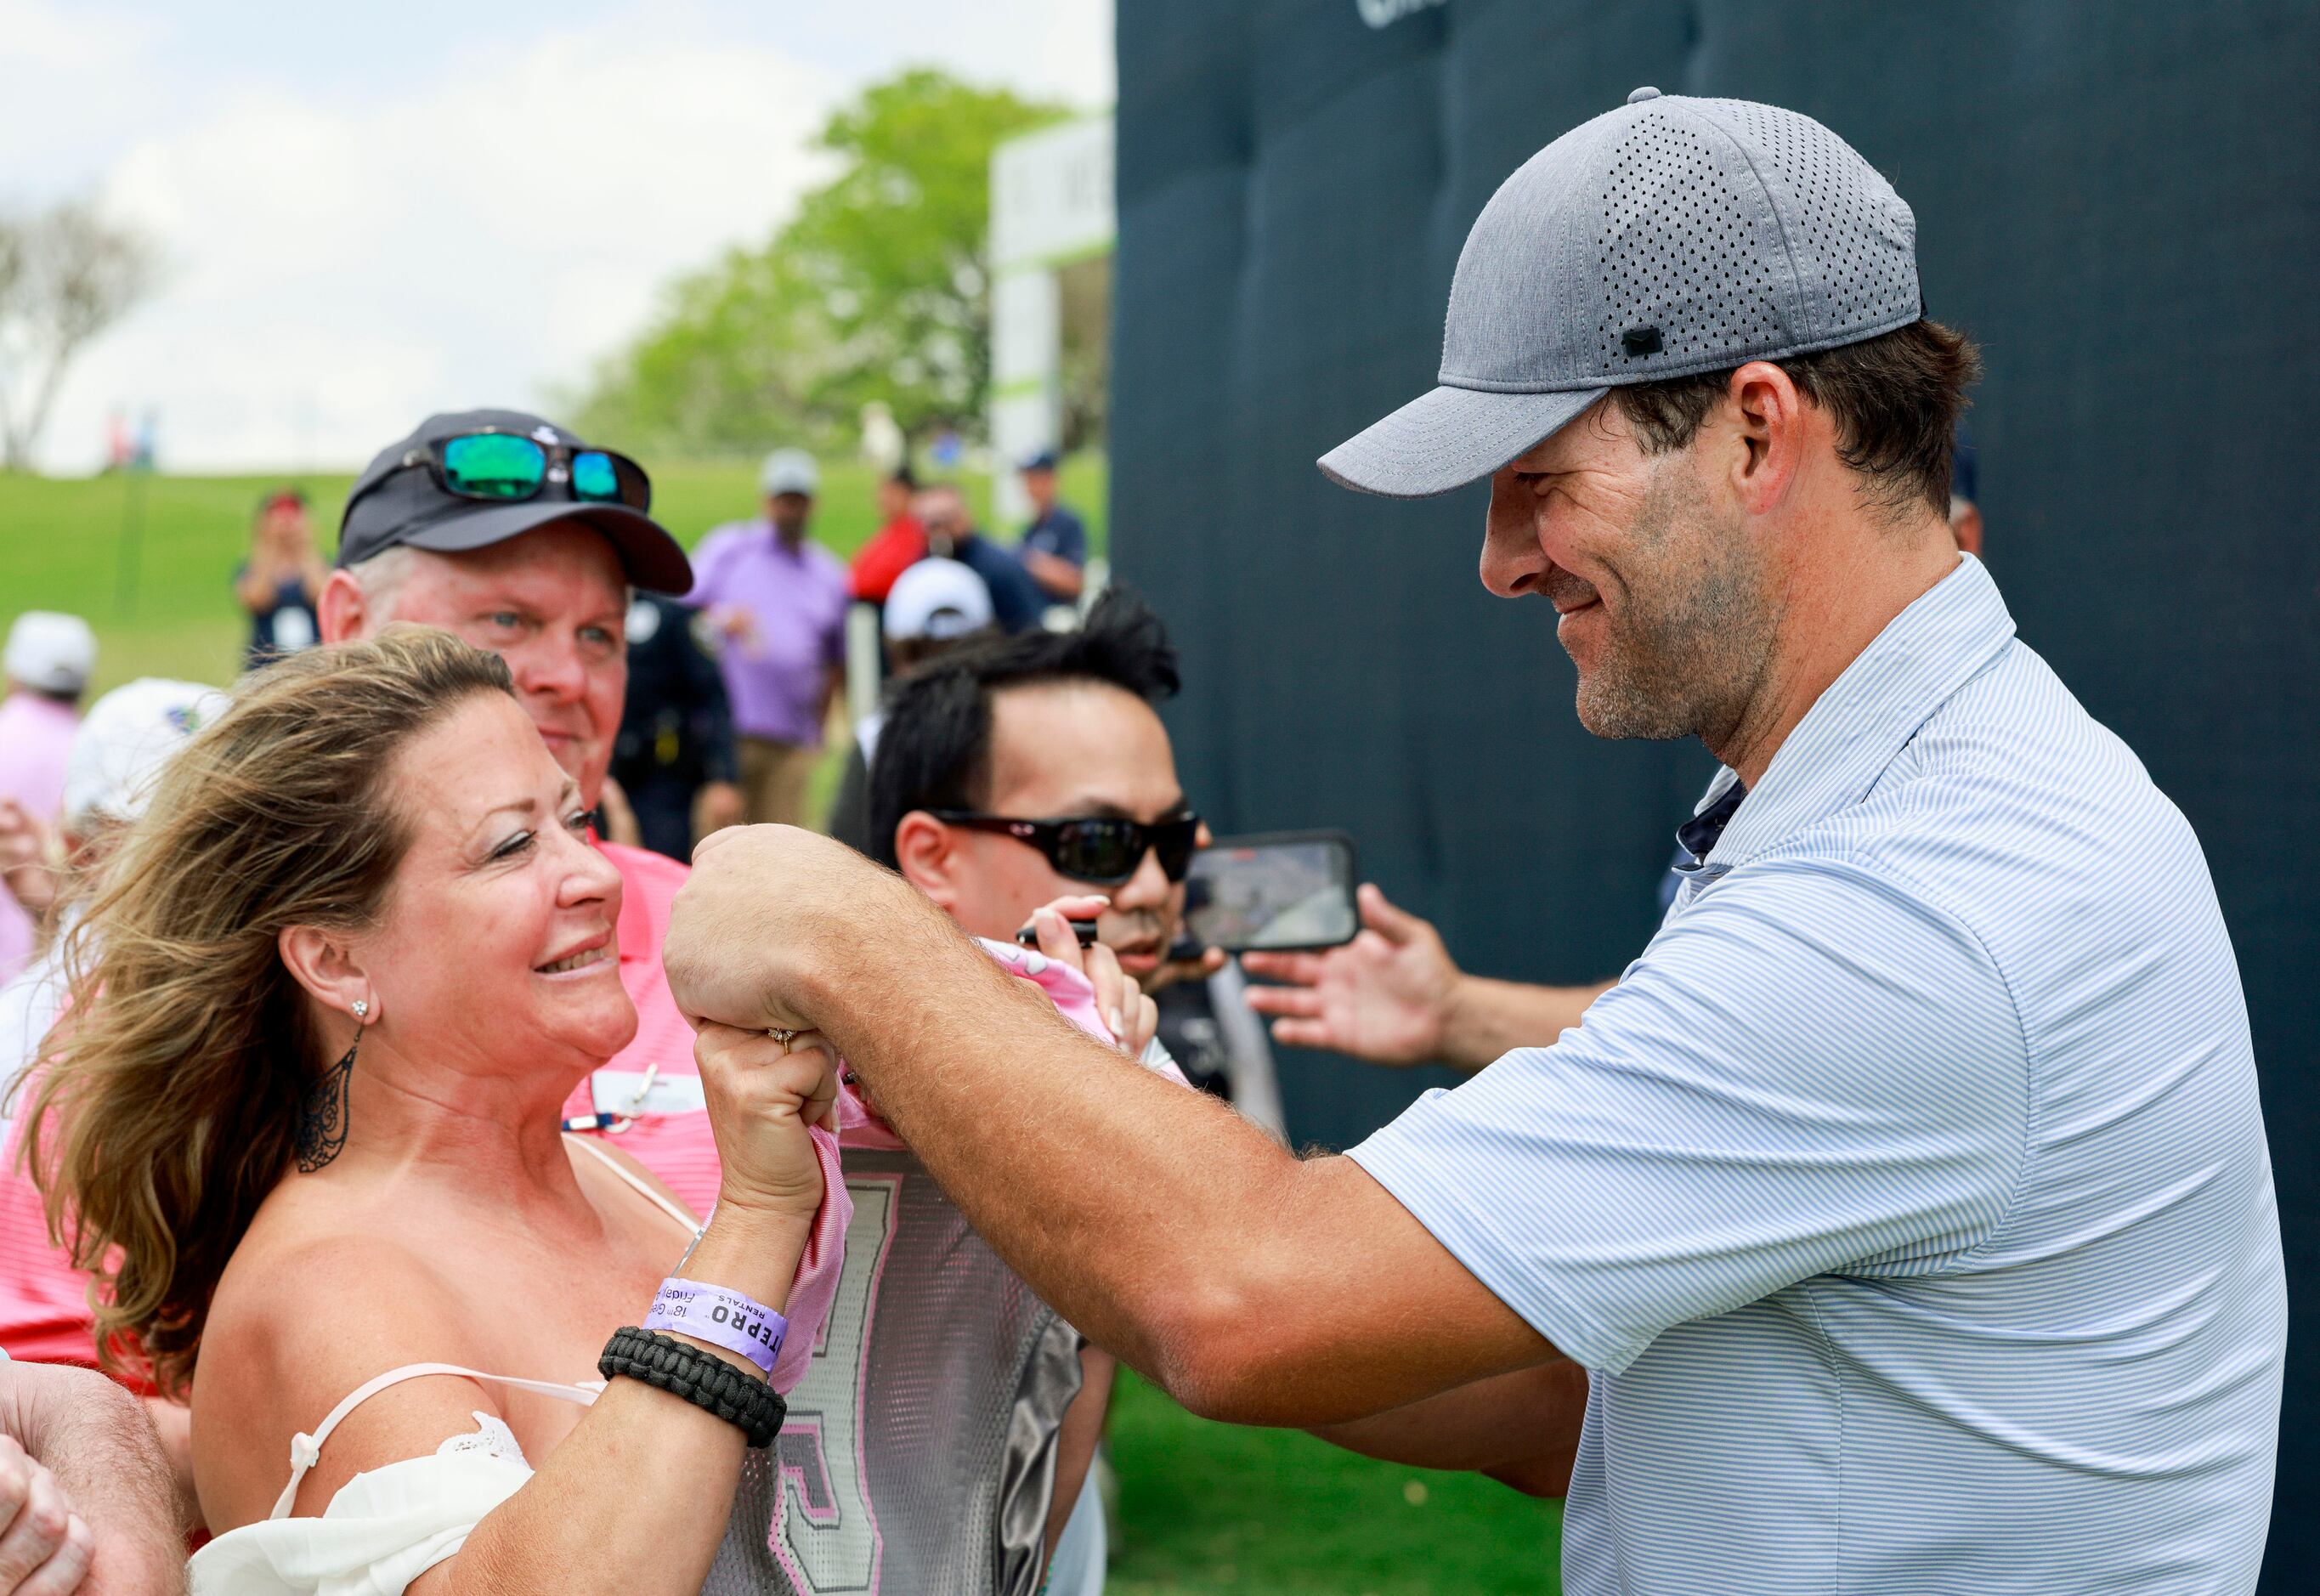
369	211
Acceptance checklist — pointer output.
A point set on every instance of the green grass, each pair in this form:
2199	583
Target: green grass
1212	1509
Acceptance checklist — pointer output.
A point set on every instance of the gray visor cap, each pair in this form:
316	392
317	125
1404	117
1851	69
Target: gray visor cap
1447	438
1669	237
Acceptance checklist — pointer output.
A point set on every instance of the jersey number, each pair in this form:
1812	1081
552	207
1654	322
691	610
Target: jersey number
829	1539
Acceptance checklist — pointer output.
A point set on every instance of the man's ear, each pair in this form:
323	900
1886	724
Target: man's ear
340	608
1770	423
925	852
326	963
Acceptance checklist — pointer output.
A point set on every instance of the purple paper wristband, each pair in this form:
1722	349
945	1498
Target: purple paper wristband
719	1317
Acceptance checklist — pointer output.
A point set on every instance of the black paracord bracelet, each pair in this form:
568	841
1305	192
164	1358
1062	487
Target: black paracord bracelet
701	1378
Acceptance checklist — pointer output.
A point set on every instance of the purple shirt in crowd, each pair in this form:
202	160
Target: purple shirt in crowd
36	735
796	605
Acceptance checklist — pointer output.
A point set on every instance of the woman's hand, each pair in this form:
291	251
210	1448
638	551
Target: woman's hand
763	1094
1134	1018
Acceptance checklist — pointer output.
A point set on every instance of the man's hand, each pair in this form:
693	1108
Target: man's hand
1173	1233
1385	996
736	626
45	1546
767	916
93	1444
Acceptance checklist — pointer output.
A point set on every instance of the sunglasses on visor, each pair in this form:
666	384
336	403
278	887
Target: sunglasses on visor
508	467
1097	849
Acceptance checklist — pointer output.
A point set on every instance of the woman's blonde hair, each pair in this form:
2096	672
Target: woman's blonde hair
170	1100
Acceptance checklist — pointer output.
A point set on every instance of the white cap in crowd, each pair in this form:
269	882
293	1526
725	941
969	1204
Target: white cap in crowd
938	599
789	471
126	738
50	653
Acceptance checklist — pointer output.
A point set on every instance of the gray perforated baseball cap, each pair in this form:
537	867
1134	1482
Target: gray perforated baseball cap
1669	236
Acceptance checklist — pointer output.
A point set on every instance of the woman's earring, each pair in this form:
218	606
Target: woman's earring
323	1112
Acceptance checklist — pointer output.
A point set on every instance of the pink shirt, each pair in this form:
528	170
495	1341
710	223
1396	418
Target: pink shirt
44	1315
36	737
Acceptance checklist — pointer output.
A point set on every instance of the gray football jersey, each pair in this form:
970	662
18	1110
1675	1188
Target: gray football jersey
919	1457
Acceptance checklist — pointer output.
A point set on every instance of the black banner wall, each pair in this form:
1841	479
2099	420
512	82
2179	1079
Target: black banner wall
2121	201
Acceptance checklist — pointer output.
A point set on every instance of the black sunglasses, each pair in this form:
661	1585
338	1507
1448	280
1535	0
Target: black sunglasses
509	467
1097	849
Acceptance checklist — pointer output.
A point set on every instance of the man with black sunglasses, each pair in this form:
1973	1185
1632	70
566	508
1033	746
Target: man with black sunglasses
1013	775
1010	775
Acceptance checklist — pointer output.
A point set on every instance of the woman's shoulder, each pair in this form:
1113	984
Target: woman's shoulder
300	1318
298	1305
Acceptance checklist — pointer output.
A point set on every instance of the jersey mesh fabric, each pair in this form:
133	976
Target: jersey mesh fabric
920	1450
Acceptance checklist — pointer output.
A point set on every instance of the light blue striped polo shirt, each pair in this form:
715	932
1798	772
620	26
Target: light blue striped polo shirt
1908	1198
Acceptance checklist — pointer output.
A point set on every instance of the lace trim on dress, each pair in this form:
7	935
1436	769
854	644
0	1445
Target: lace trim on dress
490	1438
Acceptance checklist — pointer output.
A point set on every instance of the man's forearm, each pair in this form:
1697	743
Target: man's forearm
173	1426
1521	1427
1486	1019
97	1441
1171	1231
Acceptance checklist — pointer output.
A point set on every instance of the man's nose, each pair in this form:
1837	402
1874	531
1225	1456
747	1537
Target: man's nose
1513	564
551	667
1146	889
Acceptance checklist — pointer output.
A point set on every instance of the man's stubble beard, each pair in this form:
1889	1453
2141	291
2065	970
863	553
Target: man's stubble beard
1690	643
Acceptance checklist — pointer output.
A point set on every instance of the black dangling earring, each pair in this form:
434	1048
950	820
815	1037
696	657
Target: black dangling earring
323	1112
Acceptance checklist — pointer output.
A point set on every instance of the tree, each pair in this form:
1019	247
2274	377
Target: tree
878	288
66	275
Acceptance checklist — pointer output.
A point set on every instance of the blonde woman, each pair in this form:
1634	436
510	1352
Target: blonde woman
301	1121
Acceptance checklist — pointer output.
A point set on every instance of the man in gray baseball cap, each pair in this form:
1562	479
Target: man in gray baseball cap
1902	1219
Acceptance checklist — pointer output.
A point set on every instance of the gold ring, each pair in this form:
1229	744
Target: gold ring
784	1037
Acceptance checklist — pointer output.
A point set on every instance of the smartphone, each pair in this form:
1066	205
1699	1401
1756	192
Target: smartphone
1283	891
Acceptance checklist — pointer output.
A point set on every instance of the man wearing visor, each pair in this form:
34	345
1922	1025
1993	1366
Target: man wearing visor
1902	1220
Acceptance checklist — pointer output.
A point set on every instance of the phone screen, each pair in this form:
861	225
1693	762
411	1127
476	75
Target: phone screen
1278	892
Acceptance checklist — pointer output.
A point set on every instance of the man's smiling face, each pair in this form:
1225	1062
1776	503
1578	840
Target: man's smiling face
1663	603
553	603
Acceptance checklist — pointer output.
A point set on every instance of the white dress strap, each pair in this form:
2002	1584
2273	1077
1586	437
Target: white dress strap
674	1210
306	1450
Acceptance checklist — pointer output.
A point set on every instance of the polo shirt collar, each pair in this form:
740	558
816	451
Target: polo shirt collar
1867	716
